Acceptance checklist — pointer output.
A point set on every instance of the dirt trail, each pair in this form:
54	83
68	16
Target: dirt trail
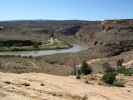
36	86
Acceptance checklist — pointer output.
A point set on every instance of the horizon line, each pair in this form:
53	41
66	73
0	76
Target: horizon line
65	19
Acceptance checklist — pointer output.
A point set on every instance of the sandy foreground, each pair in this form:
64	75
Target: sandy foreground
36	86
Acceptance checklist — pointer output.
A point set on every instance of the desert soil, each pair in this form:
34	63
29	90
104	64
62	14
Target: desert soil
37	86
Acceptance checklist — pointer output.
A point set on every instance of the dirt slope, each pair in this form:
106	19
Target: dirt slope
33	86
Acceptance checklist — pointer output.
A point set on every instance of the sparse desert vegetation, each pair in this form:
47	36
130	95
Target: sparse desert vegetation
105	65
66	50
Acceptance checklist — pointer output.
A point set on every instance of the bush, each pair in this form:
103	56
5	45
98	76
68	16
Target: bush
129	72
130	27
122	69
110	74
119	83
85	68
125	71
109	77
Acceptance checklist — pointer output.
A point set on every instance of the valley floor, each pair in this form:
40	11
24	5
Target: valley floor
37	86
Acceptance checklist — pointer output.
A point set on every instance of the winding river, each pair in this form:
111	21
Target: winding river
74	49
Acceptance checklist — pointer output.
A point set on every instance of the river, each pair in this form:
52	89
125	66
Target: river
74	49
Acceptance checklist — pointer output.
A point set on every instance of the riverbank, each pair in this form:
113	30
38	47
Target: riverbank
30	45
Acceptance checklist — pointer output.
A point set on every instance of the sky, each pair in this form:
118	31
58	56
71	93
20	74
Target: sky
66	9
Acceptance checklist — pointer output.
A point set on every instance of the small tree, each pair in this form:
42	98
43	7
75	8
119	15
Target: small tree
85	68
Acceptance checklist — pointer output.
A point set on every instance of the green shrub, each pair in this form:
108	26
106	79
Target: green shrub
85	68
125	71
109	77
122	69
118	83
130	27
129	72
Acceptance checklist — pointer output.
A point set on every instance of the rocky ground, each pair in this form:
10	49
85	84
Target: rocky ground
36	86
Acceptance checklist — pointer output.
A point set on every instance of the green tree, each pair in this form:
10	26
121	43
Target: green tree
85	68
